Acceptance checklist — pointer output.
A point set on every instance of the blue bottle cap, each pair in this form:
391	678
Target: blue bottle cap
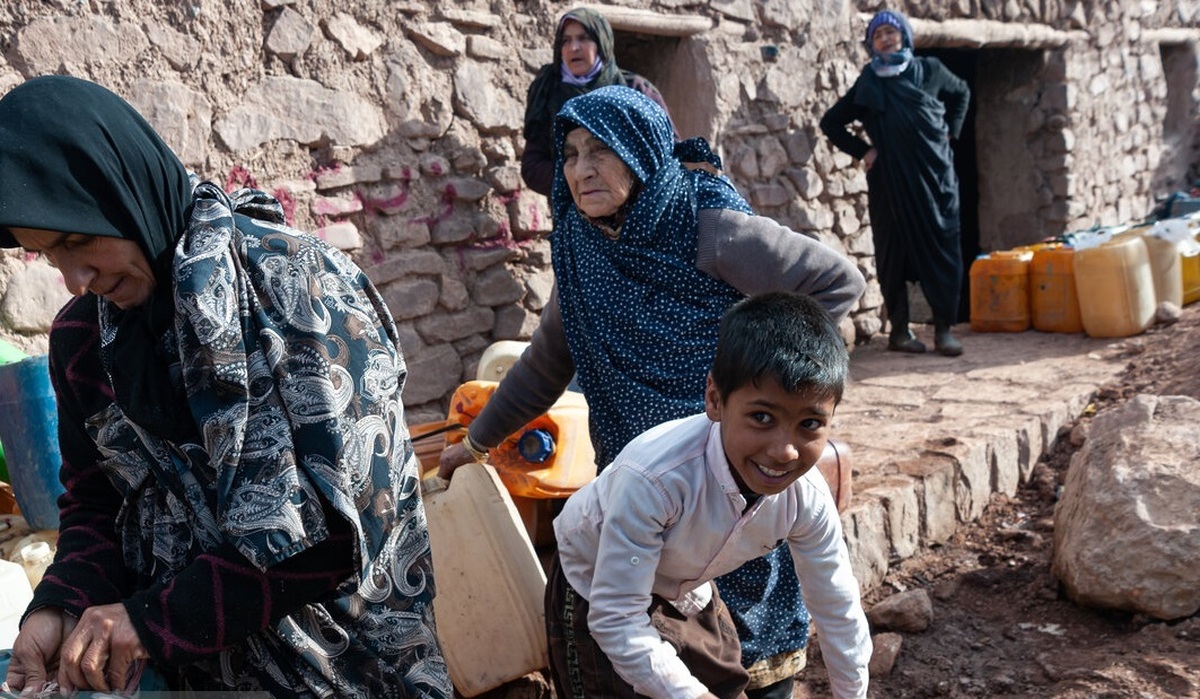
536	445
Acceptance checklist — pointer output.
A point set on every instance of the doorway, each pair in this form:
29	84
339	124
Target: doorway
680	69
1009	158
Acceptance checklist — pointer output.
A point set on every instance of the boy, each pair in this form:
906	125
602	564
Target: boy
630	608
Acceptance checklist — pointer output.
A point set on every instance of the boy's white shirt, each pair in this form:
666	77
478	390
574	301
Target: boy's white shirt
666	518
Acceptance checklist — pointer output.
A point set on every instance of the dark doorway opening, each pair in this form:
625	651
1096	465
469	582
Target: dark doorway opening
1178	168
680	69
644	53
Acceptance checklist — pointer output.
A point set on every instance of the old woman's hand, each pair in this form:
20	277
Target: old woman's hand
453	456
35	652
102	652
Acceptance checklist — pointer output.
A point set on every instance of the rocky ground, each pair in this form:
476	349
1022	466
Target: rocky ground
1002	628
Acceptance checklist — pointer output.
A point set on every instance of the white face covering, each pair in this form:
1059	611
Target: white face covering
890	64
581	80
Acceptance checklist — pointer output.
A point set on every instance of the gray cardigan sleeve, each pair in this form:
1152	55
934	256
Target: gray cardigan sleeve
754	254
532	384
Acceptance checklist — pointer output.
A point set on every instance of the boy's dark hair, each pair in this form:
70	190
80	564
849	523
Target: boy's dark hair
788	337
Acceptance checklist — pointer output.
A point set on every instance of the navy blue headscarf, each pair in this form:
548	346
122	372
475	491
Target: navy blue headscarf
891	64
640	319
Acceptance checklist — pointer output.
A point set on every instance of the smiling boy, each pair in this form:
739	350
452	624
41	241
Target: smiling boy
630	608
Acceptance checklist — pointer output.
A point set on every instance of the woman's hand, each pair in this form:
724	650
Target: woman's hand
36	650
869	159
453	456
102	652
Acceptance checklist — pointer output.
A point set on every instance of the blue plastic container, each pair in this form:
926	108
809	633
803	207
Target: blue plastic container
29	431
8	354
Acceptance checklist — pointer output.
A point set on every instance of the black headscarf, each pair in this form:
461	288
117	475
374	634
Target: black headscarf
549	93
76	158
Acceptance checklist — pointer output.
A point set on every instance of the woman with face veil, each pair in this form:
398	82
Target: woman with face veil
242	508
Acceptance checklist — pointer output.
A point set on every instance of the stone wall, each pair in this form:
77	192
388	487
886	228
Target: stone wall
392	129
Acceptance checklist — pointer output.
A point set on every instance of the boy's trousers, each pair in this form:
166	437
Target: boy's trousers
707	643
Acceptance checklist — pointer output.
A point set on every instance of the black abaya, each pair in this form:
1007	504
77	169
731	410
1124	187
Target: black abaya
913	189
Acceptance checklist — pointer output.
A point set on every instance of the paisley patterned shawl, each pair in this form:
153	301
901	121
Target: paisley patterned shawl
640	319
289	362
291	369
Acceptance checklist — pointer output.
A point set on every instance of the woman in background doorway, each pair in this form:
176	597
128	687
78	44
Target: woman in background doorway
583	61
910	107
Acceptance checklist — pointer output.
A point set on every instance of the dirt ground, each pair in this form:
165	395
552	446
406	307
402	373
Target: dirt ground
1002	628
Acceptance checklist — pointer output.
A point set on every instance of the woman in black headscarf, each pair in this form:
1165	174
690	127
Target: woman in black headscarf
583	61
241	506
911	107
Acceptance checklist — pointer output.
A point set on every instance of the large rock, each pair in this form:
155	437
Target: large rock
1127	530
301	110
181	115
476	96
33	298
45	45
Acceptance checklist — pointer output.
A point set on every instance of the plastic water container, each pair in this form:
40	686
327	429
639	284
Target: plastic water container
29	431
15	596
1189	262
1054	305
498	358
1000	292
1189	270
8	355
490	584
558	458
36	557
1116	287
1165	265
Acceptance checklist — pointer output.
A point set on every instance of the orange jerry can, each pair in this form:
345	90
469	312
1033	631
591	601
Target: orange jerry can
1000	292
550	457
1053	301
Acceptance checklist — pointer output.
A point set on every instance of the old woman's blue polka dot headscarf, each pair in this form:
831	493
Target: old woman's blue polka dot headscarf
640	319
